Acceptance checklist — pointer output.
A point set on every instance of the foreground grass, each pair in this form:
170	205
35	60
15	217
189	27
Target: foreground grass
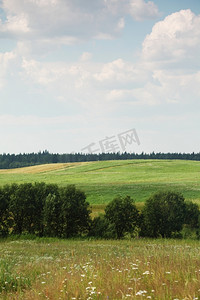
103	180
138	269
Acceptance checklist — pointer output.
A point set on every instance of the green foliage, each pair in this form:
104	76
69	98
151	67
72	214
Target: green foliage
52	216
163	214
43	209
75	211
49	210
123	215
102	228
192	214
4	213
8	161
26	205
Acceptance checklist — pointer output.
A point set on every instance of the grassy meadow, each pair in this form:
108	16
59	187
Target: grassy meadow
103	180
44	268
139	269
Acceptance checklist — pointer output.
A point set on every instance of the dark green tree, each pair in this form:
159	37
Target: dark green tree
192	214
75	211
102	228
22	208
4	212
163	214
53	221
41	191
123	215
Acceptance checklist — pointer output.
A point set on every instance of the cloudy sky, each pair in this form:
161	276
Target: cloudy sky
74	73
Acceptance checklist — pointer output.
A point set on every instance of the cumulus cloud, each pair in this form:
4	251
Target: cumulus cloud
174	39
85	75
149	81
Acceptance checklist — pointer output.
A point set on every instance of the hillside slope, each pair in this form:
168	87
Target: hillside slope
104	180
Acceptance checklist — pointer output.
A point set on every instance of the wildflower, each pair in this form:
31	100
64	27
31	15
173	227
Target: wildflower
146	273
140	293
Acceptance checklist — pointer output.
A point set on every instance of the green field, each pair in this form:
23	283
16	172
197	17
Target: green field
102	181
45	268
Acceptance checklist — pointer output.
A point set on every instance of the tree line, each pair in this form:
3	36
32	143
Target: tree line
48	210
8	161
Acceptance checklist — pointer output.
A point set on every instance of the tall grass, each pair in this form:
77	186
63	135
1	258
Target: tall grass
138	269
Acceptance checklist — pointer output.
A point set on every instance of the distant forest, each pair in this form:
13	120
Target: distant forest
9	161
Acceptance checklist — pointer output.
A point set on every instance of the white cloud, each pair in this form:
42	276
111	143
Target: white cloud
6	62
85	81
174	39
86	56
98	85
67	20
33	120
140	10
107	85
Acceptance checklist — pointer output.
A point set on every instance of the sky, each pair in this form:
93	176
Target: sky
99	76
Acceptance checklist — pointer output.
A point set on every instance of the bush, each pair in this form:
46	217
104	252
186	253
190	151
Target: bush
163	215
101	228
192	214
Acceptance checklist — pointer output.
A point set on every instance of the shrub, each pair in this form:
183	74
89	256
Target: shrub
163	215
101	228
192	214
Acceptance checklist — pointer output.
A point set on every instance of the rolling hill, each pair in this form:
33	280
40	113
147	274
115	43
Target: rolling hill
103	180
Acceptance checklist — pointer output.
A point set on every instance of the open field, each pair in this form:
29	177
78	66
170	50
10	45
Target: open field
46	268
139	269
102	181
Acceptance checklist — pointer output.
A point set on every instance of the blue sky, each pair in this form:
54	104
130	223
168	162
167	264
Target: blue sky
74	73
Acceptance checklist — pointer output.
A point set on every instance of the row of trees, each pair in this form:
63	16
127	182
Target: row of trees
163	215
44	210
48	210
8	161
